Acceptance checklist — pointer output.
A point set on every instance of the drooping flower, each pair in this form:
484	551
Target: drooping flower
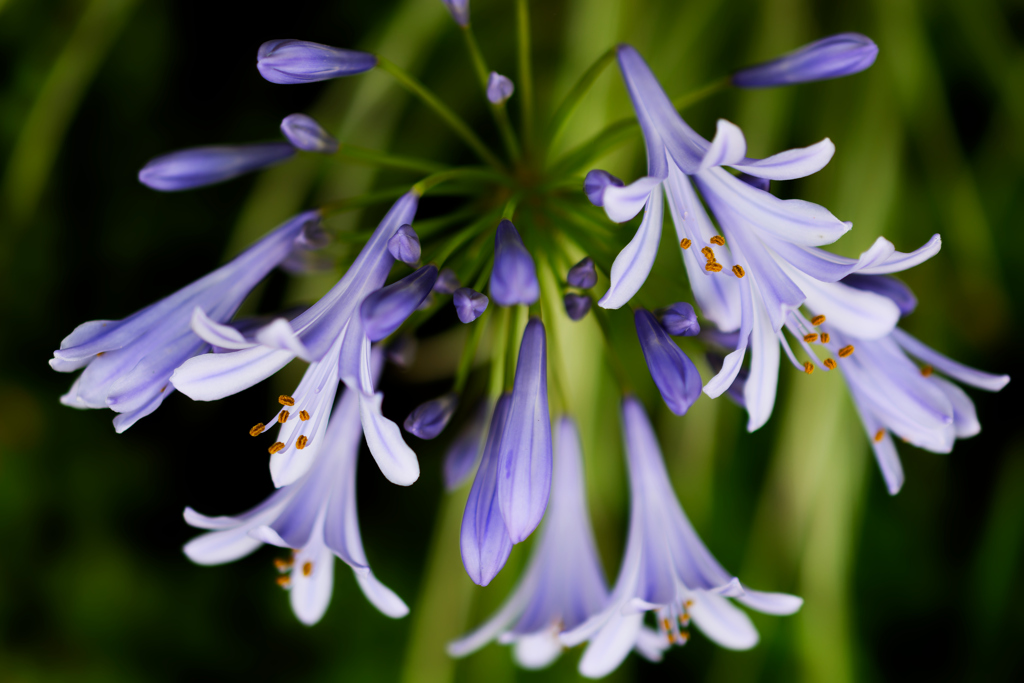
524	465
195	167
673	372
330	336
301	61
563	584
771	267
583	274
404	245
469	304
128	363
465	450
577	305
666	569
315	516
499	88
843	54
679	320
514	277
459	10
304	133
429	419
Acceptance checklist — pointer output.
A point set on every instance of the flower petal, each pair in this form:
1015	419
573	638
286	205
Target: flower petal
727	148
213	376
634	262
537	650
723	622
793	163
380	596
611	645
311	592
396	460
623	203
948	366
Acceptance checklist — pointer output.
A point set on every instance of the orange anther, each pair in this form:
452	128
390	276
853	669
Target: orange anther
879	435
717	240
257	429
825	338
738	269
303	415
829	363
301	442
808	367
282	564
927	370
307	568
810	338
684	243
817	320
286	400
846	351
283	417
275	448
284	581
713	266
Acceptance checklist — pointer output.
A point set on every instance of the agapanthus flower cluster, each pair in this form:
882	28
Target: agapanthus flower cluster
763	288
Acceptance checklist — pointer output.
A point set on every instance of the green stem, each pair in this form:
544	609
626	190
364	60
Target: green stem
441	109
510	207
498	355
499	112
469	352
461	237
695	96
621	377
525	70
363	200
463	172
374	158
575	96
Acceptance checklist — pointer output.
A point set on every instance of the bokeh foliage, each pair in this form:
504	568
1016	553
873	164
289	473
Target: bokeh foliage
93	585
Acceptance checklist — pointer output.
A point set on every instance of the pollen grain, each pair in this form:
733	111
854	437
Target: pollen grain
817	320
283	417
825	338
685	243
303	415
808	367
717	240
713	266
846	351
278	446
307	568
811	338
286	400
257	429
879	435
738	270
830	363
301	442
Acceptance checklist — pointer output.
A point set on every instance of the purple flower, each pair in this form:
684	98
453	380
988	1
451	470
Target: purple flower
316	516
499	88
199	166
469	304
484	540
840	55
459	10
330	336
404	245
577	305
128	363
385	310
672	370
428	419
464	451
583	274
754	277
514	277
596	182
886	286
300	61
306	134
447	281
524	467
563	584
679	320
667	569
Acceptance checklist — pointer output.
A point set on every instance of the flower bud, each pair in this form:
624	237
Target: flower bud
672	370
499	88
306	134
469	304
300	61
429	419
199	166
679	320
404	245
583	274
514	277
840	55
459	10
577	305
447	281
386	309
595	183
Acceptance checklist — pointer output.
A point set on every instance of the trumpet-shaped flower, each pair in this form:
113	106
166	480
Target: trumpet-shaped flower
330	336
563	584
315	516
754	276
128	363
666	569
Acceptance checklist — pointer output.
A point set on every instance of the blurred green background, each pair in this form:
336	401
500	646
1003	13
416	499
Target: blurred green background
93	586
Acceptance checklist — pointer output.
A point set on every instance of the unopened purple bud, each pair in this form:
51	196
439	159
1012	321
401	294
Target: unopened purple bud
672	370
840	55
680	320
404	245
595	183
760	183
402	352
577	305
198	166
583	274
429	419
447	282
306	134
514	277
469	304
887	286
459	10
386	309
499	88
300	61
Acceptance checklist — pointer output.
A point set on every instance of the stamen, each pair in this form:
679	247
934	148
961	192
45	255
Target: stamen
709	254
667	625
301	442
278	446
688	604
717	240
163	388
257	429
738	269
283	417
817	320
808	367
846	351
879	435
810	338
714	267
927	370
685	243
100	353
825	338
303	415
684	636
829	363
282	564
284	581
307	568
